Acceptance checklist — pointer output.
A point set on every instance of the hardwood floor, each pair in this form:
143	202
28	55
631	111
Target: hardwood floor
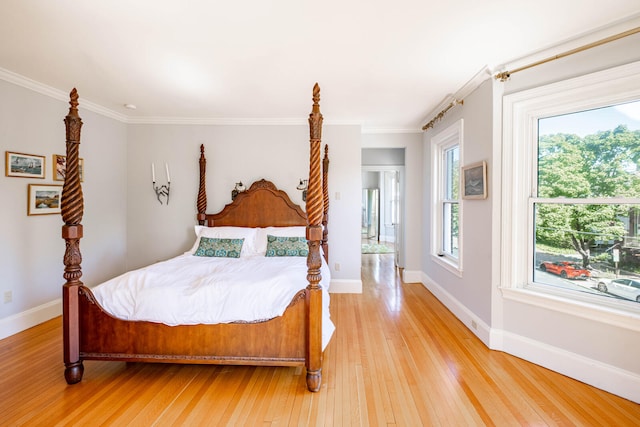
398	358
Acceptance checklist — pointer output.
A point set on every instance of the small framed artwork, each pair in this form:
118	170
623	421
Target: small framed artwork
44	199
474	181
24	165
60	167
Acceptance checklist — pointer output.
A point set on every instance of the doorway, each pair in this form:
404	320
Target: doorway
381	225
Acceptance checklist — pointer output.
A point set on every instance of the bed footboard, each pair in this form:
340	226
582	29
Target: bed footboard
276	342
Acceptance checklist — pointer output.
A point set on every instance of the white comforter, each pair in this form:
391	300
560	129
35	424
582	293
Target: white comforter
188	290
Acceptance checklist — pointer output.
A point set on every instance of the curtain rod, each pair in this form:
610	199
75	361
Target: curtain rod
441	114
504	76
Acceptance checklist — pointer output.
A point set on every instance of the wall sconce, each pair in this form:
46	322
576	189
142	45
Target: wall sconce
163	190
304	184
239	188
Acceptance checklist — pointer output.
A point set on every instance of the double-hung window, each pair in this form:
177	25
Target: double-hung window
571	189
446	213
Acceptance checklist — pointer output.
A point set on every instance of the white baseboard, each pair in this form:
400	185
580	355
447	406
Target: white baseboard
409	276
19	322
345	287
589	371
478	327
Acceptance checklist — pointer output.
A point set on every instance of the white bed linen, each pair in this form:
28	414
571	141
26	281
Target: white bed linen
189	290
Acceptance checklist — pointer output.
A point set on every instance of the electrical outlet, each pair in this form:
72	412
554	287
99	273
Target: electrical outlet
337	266
474	325
8	296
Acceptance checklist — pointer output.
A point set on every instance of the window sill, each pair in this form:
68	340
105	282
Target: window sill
448	264
616	313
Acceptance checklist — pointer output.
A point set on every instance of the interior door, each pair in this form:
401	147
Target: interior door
392	190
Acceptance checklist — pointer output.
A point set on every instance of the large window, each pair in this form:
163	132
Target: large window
571	185
445	151
586	224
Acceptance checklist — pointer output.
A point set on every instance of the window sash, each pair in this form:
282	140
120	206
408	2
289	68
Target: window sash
446	157
521	112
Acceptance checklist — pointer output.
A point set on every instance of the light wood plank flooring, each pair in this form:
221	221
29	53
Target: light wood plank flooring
398	358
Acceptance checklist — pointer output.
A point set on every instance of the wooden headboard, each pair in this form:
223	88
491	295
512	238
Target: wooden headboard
262	205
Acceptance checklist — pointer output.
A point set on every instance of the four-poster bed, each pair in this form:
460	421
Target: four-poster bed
293	338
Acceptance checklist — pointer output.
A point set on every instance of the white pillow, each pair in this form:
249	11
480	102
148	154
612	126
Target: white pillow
247	233
261	236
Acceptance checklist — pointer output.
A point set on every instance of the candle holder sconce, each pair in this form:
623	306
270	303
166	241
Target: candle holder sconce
162	190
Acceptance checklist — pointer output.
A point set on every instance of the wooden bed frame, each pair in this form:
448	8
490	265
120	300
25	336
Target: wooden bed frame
295	338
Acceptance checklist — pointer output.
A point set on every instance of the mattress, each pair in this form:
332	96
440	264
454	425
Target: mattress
189	290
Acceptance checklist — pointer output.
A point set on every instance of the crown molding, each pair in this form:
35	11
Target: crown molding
374	131
458	97
25	82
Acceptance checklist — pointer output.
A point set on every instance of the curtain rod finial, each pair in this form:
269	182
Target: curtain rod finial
503	76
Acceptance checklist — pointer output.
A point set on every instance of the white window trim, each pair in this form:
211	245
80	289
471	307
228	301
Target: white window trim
449	137
521	112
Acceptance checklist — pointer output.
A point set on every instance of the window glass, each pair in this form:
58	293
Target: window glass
450	212
586	218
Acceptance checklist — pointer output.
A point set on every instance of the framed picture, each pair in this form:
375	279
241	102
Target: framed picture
474	181
24	165
44	199
60	167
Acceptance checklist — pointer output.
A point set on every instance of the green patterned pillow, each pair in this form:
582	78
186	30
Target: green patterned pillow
287	246
222	248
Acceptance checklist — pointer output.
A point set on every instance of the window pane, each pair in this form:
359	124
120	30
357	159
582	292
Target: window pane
591	248
592	153
452	173
450	229
586	247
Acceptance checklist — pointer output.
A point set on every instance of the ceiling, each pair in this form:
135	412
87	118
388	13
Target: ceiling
385	65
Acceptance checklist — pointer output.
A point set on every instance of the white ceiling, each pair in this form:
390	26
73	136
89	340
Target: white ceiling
383	64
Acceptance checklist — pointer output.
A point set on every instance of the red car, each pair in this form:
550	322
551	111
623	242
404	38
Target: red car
566	269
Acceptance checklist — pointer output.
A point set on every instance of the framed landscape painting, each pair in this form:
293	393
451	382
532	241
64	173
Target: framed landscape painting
24	165
44	199
474	181
60	167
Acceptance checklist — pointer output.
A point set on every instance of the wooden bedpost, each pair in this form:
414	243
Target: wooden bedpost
325	193
315	201
202	192
72	207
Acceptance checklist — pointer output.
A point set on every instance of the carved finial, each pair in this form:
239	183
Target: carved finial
201	149
326	150
315	118
316	94
73	101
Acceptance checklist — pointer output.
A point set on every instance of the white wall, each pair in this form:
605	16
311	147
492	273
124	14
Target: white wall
235	153
472	289
124	225
31	247
591	350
